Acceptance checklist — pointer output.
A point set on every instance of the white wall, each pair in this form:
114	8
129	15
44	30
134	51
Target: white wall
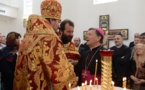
123	14
10	24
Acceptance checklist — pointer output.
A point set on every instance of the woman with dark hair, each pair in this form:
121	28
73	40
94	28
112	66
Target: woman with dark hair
8	58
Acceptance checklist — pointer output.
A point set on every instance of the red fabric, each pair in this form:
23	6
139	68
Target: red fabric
89	77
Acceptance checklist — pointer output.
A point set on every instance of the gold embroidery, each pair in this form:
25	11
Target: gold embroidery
47	47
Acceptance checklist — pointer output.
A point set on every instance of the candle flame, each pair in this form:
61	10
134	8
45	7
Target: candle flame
69	85
96	60
83	84
112	82
124	78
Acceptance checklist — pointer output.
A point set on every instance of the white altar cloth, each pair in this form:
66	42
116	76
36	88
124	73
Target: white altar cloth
99	88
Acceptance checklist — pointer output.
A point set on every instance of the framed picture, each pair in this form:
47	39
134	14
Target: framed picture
112	33
104	22
84	34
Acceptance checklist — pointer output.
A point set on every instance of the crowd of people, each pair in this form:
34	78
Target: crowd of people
48	58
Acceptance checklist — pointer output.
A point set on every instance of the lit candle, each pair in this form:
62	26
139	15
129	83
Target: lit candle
85	85
95	70
90	84
69	85
78	88
85	82
124	88
96	80
112	85
83	88
124	82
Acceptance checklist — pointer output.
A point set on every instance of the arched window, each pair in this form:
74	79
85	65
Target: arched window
103	1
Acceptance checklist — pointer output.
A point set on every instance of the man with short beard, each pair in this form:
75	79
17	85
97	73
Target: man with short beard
66	35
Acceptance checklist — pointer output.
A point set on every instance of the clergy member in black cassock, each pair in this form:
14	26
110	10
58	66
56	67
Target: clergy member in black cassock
120	60
85	68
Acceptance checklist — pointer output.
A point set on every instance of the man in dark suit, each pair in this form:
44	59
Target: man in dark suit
120	60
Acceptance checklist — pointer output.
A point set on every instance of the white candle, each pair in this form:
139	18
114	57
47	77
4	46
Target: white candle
112	85
90	86
83	87
69	85
90	81
124	82
78	88
85	82
95	70
96	80
124	88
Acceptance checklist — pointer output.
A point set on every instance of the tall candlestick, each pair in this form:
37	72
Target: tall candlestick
124	82
106	69
95	70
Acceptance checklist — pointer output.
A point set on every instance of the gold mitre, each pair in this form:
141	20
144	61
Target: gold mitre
51	9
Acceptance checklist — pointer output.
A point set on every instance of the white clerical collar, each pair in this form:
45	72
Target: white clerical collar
119	46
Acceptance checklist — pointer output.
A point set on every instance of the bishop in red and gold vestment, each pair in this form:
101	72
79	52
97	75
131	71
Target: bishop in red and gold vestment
42	57
42	61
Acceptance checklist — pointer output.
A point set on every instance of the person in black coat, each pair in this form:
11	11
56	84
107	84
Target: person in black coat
83	48
120	60
8	56
85	68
